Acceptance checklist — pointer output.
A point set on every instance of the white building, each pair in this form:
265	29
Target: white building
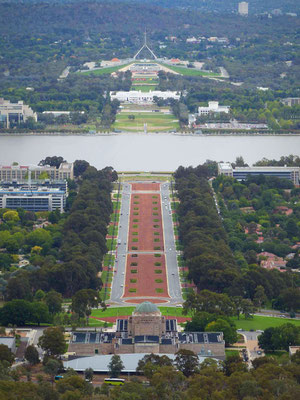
213	107
33	199
241	173
243	8
14	112
139	97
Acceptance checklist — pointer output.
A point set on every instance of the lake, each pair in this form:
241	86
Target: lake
146	152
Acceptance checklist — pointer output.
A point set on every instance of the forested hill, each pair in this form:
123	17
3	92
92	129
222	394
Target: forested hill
221	6
104	17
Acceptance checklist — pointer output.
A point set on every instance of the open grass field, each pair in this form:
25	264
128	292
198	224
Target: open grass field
143	88
108	70
121	311
192	71
262	323
156	122
257	323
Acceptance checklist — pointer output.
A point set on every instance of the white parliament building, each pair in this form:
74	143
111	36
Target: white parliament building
139	97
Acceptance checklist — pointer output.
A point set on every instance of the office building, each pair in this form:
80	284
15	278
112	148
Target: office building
33	198
241	173
20	172
14	113
147	331
139	97
243	8
213	107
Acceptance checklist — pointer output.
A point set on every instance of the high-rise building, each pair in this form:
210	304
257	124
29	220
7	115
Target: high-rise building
243	8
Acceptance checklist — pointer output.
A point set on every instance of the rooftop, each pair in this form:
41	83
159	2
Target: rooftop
100	363
146	307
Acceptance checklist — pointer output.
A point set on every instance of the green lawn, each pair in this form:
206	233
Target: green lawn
109	260
97	323
114	217
262	323
154	121
116	205
118	311
106	276
112	229
111	244
143	88
191	71
231	353
107	70
256	323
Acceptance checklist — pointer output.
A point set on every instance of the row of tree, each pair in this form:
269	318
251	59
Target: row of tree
205	248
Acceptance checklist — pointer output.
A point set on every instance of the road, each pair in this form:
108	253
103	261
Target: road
170	247
251	342
169	244
121	254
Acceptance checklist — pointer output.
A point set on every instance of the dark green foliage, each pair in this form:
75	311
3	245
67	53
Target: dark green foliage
115	366
187	362
207	254
32	355
22	312
280	338
6	354
53	342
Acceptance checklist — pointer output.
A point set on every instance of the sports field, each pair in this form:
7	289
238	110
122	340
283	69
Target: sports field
156	122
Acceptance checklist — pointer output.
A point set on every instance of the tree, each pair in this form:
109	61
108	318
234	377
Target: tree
260	297
54	161
6	354
84	300
234	363
266	339
229	331
88	374
187	362
39	295
11	216
115	366
53	342
32	355
80	166
239	162
150	363
52	367
53	300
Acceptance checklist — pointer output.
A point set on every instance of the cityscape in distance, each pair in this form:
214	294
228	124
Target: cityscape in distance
149	200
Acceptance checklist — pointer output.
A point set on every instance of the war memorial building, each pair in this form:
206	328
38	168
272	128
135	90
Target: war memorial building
147	331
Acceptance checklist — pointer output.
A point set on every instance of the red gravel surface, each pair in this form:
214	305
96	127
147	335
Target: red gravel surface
145	276
145	186
145	235
137	301
143	213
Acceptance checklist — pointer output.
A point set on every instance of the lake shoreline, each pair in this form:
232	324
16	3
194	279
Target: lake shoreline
82	134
